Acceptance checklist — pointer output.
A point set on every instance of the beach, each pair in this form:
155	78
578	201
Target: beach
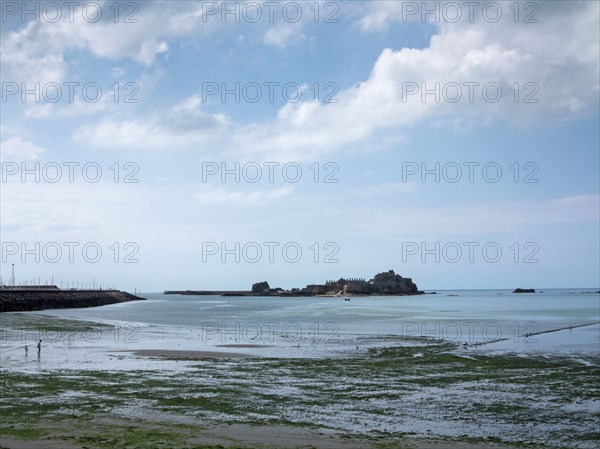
213	383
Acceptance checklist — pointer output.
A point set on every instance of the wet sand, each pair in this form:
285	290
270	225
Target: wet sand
12	443
237	345
239	395
286	437
177	354
274	437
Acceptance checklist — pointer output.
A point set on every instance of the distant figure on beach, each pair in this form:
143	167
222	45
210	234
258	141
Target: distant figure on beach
39	346
26	349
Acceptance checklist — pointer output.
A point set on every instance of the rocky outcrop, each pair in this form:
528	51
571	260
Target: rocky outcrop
260	288
524	290
40	299
391	283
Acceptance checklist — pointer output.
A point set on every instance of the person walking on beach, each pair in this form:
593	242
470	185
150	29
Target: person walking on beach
39	346
26	350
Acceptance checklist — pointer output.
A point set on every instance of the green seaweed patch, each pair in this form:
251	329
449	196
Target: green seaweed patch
22	433
12	321
311	393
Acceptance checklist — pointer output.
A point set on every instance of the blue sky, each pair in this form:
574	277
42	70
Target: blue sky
534	223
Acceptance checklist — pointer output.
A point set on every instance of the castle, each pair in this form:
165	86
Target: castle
386	283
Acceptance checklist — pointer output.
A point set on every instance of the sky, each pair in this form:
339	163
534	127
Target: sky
173	145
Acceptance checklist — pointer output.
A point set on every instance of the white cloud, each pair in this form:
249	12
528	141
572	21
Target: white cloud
16	149
377	15
117	72
558	55
221	195
38	50
27	58
130	133
184	126
190	104
284	34
78	108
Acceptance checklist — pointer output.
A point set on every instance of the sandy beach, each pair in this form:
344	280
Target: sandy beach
104	384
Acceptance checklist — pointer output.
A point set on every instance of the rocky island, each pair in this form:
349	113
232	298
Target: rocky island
21	299
383	284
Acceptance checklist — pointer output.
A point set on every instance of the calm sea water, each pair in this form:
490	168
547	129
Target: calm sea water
485	320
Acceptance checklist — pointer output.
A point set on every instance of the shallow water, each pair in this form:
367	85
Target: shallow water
307	327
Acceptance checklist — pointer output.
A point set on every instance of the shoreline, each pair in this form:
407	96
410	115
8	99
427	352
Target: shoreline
187	397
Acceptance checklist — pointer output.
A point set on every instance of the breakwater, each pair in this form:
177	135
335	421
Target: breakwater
23	300
208	292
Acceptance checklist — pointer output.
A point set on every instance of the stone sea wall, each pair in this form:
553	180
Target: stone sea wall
34	299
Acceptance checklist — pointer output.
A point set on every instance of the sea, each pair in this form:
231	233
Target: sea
548	322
